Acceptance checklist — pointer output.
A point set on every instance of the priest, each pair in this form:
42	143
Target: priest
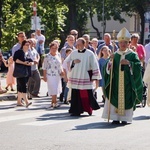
82	74
123	87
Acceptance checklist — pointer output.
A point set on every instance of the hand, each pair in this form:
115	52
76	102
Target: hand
62	73
124	62
35	62
3	59
45	79
29	63
111	56
65	79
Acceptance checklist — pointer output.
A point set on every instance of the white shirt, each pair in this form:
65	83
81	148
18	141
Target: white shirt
40	47
147	50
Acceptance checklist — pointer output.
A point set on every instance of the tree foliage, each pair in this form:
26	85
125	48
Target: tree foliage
115	8
60	16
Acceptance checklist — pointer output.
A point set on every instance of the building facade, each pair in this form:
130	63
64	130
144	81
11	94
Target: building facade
132	24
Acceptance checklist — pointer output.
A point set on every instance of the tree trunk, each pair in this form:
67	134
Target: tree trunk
142	27
92	23
72	14
141	12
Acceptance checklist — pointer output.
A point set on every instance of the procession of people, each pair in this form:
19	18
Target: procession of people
75	76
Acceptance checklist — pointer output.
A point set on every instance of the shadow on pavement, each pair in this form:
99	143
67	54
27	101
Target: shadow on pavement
3	107
141	118
97	125
57	116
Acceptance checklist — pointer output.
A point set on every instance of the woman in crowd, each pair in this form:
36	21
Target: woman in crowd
140	50
52	72
21	58
103	55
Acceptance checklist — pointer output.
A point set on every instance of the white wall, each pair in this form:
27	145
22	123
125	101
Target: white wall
112	25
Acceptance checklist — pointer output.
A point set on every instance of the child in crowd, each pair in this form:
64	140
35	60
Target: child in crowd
66	67
10	80
103	56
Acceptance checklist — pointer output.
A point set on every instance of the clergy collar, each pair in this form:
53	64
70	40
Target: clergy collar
81	51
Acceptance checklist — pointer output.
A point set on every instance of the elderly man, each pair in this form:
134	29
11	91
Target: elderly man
107	42
40	45
80	80
125	80
87	44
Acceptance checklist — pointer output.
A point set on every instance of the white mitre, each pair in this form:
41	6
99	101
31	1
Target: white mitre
123	35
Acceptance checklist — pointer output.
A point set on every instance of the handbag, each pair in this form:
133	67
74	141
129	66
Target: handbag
20	71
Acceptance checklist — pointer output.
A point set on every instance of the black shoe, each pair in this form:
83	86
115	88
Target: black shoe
61	97
75	115
124	122
115	122
90	114
66	102
103	99
28	104
12	90
47	94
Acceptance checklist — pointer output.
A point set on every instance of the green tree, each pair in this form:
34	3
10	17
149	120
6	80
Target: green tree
115	8
17	17
138	6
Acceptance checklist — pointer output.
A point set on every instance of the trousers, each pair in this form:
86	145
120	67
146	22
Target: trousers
34	82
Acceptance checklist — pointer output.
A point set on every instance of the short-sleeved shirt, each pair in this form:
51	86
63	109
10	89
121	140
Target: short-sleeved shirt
15	48
40	47
52	64
104	44
140	51
33	55
63	51
23	57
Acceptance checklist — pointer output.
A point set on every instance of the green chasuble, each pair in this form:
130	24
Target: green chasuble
130	78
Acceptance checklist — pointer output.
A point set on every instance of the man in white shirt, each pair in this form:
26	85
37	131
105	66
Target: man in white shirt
40	44
34	80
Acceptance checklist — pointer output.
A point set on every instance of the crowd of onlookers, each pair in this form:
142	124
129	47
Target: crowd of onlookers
57	65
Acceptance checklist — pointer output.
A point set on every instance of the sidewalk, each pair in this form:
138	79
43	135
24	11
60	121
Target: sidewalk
9	95
12	95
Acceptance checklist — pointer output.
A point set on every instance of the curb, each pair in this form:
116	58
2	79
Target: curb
7	97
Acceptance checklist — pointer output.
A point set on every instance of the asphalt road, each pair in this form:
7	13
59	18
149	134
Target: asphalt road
37	128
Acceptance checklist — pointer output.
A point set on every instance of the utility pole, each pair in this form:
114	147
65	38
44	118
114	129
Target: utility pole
35	14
